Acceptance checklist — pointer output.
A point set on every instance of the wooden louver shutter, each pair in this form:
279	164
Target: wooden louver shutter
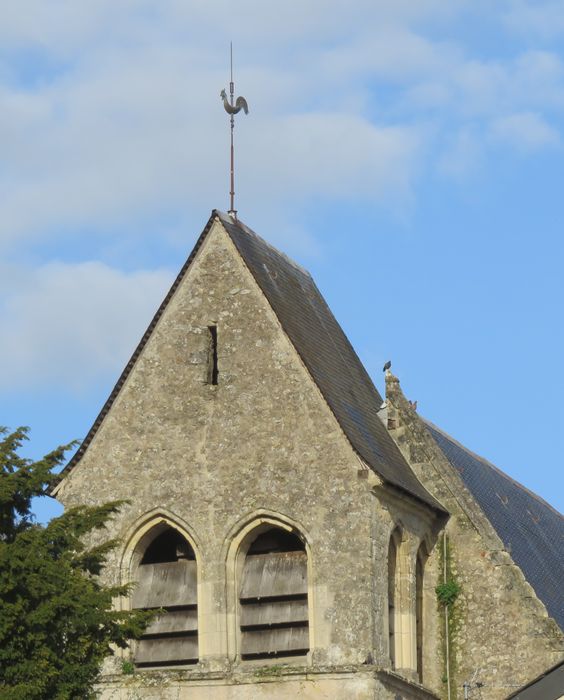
172	638
274	606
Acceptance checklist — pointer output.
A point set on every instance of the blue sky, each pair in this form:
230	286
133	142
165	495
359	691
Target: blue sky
410	155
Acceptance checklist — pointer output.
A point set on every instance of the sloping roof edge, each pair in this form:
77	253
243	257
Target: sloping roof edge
391	459
138	350
420	493
492	466
548	686
531	530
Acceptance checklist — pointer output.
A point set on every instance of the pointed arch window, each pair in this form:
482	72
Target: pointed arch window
273	597
393	548
166	578
419	606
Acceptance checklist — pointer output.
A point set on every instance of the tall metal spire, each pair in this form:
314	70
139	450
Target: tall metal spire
232	107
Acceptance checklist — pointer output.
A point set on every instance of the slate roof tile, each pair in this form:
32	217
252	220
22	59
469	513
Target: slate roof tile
328	355
323	347
531	530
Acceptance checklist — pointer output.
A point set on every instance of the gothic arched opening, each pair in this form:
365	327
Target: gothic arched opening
393	547
167	578
419	609
273	597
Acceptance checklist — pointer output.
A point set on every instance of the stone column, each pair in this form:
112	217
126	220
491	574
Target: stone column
406	632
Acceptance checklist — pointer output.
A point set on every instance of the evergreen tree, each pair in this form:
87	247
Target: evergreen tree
56	618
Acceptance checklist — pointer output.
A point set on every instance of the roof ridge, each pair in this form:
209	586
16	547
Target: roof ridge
491	465
335	367
227	219
532	531
331	361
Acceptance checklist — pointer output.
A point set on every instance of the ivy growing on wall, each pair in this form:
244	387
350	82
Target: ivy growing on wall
448	593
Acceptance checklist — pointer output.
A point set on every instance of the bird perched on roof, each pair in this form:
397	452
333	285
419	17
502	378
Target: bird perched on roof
240	104
387	366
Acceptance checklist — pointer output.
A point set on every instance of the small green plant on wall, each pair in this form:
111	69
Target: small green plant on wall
128	667
268	671
448	592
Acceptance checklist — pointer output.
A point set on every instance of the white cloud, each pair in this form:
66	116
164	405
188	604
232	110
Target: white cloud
481	89
462	153
536	18
524	132
124	121
391	53
65	26
338	155
72	324
138	133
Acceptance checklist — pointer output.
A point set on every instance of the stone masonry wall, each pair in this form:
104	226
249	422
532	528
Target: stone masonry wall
262	443
504	636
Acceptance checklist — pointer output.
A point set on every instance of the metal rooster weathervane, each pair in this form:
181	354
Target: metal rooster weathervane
232	108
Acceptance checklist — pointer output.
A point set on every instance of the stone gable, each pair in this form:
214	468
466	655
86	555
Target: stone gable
212	459
222	433
504	636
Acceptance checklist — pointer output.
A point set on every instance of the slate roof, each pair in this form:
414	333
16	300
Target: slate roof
548	686
328	355
323	347
531	530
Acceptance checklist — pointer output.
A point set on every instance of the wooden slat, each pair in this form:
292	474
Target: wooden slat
165	585
269	575
271	641
271	613
174	621
163	650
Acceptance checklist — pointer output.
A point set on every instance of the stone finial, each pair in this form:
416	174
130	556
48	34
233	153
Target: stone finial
399	410
392	383
392	390
398	406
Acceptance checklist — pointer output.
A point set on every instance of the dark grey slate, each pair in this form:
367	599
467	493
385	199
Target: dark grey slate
328	355
531	530
549	686
323	347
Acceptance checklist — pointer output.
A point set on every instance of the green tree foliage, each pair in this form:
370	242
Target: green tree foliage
56	618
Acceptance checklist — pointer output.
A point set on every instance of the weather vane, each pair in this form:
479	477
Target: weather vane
232	108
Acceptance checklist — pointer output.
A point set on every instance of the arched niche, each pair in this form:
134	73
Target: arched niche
268	566
421	559
273	596
394	547
163	566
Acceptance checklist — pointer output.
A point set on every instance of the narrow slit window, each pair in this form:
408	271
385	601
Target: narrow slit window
273	597
213	371
166	578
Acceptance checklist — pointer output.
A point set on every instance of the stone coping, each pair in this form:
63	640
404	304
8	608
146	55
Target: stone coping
253	672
